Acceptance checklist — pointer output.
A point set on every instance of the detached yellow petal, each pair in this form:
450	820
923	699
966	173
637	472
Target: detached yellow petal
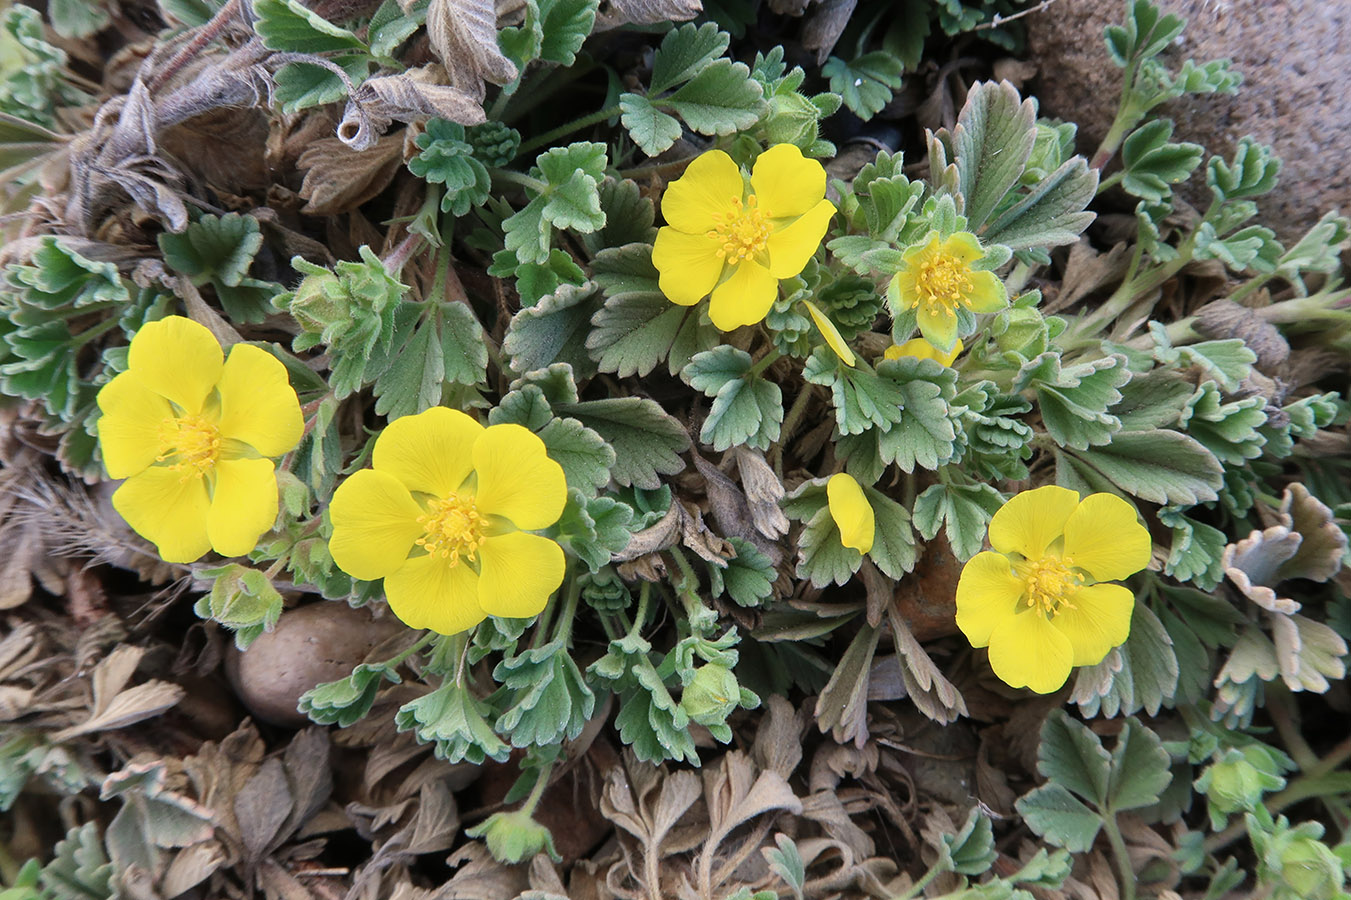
516	478
706	190
1104	537
988	593
745	298
1031	520
786	183
834	339
987	293
852	512
688	264
167	509
791	246
243	505
129	429
178	359
258	406
518	572
922	349
431	452
1028	651
1099	620
374	524
429	592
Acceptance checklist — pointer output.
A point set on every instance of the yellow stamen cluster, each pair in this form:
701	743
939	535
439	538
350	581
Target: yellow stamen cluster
741	233
191	442
942	282
453	528
1051	581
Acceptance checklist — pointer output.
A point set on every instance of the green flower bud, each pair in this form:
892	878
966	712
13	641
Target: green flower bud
712	695
605	591
792	119
320	305
1310	869
1048	152
1020	330
513	837
1232	785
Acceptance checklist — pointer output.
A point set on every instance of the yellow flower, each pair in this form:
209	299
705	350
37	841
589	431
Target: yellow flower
735	243
443	517
851	511
193	434
919	348
1038	601
936	281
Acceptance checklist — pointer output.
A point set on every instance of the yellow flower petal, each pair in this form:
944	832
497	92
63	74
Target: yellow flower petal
257	403
987	593
429	592
963	245
374	524
786	183
168	510
852	512
689	265
834	339
1028	651
1104	537
745	298
129	429
178	359
791	246
1099	621
939	330
1031	520
987	293
431	452
516	478
706	190
243	505
517	574
922	349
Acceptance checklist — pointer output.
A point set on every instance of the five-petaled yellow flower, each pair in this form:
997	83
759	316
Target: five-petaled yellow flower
852	512
193	434
1038	600
919	348
937	281
720	237
444	517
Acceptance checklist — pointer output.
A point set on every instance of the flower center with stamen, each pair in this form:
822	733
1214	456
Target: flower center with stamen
1051	581
741	233
943	281
190	444
453	528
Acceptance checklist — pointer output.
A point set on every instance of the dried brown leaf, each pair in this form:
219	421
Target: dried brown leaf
261	807
735	795
825	26
842	707
339	179
929	690
1086	271
763	490
463	33
410	96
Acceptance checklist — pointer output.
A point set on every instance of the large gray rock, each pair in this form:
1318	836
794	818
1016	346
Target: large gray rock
1294	55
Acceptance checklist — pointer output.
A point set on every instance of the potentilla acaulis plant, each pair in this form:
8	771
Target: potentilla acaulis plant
642	428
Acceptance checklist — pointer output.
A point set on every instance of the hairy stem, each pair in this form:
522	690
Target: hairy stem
568	128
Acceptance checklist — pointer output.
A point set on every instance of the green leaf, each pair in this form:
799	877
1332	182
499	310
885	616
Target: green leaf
629	218
1053	212
568	198
554	330
565	25
1147	676
991	145
684	52
80	868
651	129
1145	33
647	442
1196	551
748	577
638	326
862	398
822	557
1230	431
301	86
77	18
1158	466
214	248
549	700
745	410
347	700
243	600
866	82
454	719
721	99
288	27
972	849
390	26
1058	816
1140	768
585	457
445	348
927	434
595	528
650	720
446	157
893	550
1252	173
886	197
1072	756
1074	400
963	511
1153	165
190	13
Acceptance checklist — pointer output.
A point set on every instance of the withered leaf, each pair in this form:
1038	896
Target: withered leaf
116	708
763	490
735	795
463	33
339	179
1086	271
263	804
929	690
614	13
842	707
404	97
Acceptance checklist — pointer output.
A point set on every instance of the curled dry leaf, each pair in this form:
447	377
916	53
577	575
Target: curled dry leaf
1308	653
614	13
404	97
1306	543
463	33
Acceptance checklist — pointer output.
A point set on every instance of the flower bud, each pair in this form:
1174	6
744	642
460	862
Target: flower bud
1310	869
514	837
792	119
712	695
320	303
1021	330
